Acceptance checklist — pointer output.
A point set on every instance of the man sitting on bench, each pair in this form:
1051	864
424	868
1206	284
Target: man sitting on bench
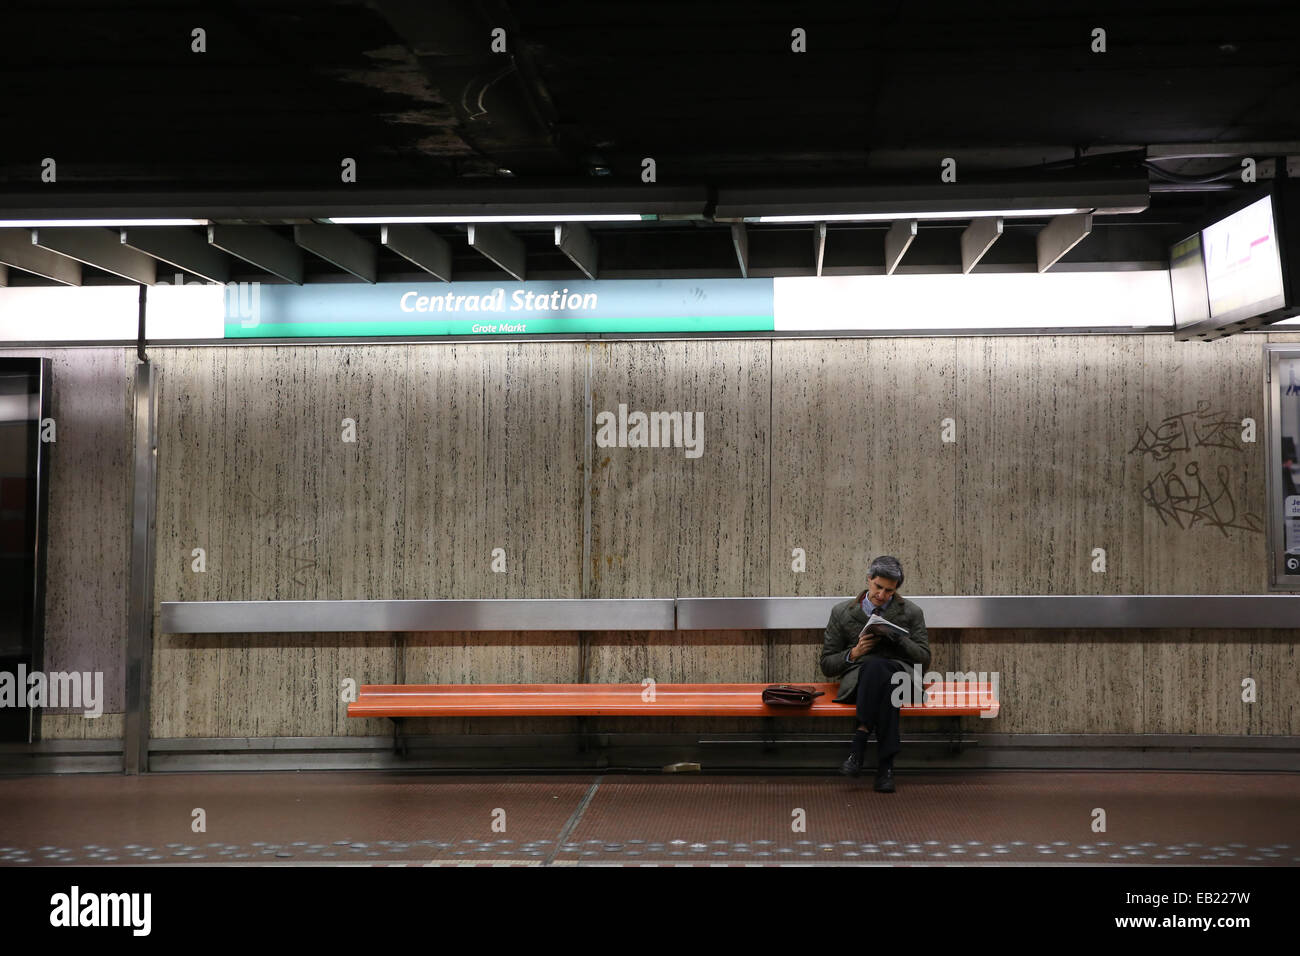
866	663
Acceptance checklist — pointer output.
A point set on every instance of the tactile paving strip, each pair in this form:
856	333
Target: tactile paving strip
1160	818
407	819
283	818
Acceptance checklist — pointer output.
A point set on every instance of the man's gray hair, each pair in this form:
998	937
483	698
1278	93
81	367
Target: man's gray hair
886	566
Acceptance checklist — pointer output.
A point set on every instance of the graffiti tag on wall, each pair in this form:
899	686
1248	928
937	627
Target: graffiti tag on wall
1195	497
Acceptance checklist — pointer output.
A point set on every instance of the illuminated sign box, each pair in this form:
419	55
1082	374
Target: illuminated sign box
905	303
487	308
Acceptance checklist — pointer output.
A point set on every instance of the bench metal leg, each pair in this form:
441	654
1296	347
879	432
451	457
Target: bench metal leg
399	740
954	734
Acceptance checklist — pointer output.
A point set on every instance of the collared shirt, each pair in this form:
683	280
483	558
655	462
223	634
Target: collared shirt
868	607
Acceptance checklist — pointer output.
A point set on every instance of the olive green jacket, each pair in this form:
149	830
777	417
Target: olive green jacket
846	623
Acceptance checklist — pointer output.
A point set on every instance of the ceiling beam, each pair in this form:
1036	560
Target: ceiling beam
18	251
1061	235
100	248
897	240
977	239
1224	150
1114	195
567	197
179	247
259	246
419	246
501	246
576	241
740	242
987	158
340	247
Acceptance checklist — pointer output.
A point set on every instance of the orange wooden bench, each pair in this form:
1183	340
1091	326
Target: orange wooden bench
400	701
627	700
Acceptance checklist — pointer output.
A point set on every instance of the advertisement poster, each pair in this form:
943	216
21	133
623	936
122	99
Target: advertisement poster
1289	440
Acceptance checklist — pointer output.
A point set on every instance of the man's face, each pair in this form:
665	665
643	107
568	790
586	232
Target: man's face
880	590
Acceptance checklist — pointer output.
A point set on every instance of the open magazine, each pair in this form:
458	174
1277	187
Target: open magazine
881	628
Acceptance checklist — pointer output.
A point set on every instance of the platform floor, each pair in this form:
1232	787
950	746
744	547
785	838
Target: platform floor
997	818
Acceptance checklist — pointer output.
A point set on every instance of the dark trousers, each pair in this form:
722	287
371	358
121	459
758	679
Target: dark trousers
875	706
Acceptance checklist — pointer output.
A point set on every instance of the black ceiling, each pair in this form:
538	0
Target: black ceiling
585	91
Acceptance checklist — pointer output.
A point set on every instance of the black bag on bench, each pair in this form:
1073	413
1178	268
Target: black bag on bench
790	695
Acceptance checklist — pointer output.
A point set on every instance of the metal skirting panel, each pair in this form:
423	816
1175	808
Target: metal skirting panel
62	756
732	752
183	744
12	765
1055	611
651	752
552	614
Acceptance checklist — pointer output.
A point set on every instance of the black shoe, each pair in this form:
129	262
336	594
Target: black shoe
885	780
852	767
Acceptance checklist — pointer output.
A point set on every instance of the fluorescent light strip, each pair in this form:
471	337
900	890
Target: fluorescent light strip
42	223
896	216
396	220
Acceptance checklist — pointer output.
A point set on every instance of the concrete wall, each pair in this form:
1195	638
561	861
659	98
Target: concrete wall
832	446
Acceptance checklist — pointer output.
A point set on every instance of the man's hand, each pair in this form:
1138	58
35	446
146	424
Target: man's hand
865	643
